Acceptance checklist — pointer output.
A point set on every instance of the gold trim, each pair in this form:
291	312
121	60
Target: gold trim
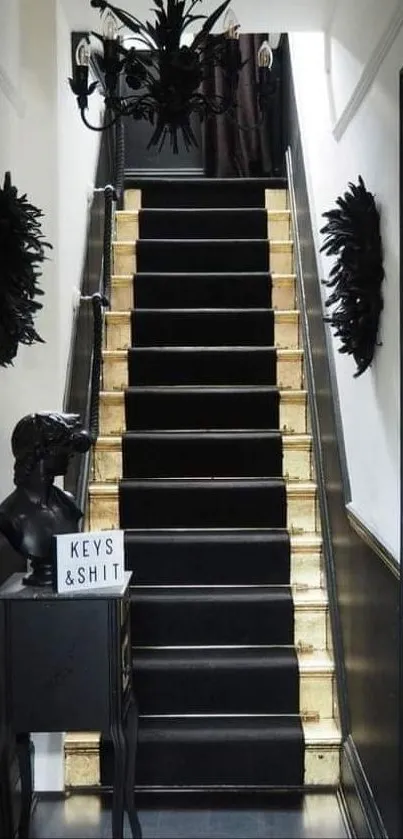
376	546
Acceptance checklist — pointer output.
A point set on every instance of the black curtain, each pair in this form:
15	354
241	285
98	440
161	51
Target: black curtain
248	143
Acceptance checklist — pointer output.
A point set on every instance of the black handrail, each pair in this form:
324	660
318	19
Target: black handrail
84	376
110	196
99	302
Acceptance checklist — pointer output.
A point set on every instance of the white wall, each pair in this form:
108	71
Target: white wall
77	161
369	146
29	149
255	16
52	158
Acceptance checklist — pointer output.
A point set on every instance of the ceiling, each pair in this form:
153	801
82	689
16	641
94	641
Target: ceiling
254	16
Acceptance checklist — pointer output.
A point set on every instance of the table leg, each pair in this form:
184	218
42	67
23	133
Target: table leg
119	746
6	793
131	728
24	760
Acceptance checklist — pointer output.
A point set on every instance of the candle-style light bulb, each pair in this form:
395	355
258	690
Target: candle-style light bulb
265	55
231	24
110	26
83	53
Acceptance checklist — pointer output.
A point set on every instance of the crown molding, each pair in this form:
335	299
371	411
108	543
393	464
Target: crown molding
369	72
11	92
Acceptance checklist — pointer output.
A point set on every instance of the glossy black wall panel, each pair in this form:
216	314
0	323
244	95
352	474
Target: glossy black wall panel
367	589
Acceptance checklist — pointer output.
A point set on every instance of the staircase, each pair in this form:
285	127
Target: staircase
205	459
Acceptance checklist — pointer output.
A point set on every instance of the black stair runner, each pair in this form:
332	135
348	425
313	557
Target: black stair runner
203	499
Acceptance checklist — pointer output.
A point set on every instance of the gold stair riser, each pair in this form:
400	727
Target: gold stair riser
310	625
276	199
279	226
122	296
119	333
108	463
322	766
306	569
316	694
127	226
281	258
124	257
293	413
82	765
289	372
283	292
132	199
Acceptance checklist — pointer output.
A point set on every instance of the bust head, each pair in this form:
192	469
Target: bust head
46	441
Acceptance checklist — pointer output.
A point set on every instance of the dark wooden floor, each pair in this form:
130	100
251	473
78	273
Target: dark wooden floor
87	817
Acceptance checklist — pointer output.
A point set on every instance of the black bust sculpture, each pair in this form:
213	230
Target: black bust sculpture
36	511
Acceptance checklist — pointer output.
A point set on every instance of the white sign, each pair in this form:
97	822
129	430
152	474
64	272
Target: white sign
87	561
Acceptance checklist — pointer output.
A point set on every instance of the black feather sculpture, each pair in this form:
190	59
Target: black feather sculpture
22	250
352	234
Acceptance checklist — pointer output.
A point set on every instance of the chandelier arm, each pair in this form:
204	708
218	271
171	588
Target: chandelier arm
98	127
145	39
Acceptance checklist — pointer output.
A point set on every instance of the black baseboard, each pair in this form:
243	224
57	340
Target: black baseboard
363	816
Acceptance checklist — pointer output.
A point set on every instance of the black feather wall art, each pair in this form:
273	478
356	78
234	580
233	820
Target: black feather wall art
352	235
22	250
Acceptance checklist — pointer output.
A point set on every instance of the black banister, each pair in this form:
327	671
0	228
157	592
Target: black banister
85	369
98	304
109	194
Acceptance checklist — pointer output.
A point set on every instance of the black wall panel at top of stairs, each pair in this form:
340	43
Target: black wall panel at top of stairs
229	223
202	407
204	557
203	503
220	681
184	327
188	290
202	454
202	365
219	255
218	615
204	192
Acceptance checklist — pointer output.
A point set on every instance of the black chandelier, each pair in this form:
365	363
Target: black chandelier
160	79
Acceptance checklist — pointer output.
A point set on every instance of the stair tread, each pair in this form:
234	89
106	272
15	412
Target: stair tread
120	313
204	210
237	348
304	597
214	241
299	487
113	442
205	483
203	389
204	434
232	348
309	663
191	275
316	732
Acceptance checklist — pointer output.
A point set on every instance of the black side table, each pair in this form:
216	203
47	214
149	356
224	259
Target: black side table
68	668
